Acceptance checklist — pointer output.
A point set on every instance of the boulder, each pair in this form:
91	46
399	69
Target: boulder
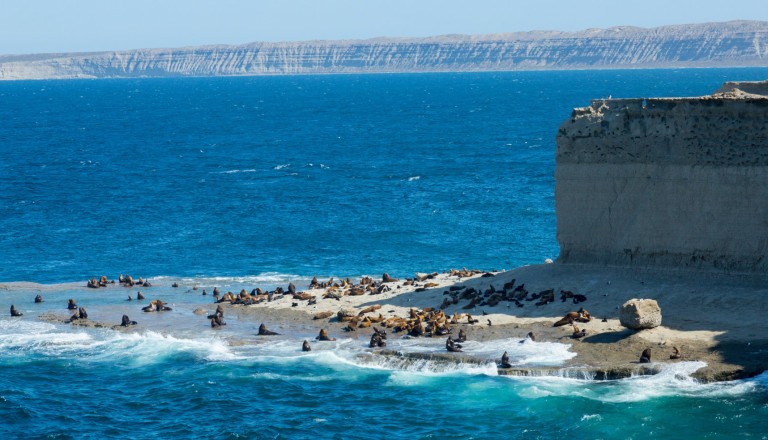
638	314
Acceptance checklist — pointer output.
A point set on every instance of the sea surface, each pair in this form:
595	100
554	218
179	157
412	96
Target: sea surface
255	182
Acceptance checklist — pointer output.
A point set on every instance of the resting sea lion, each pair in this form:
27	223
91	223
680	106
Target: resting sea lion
578	333
263	331
38	299
505	361
676	354
305	346
126	322
388	279
71	304
323	336
646	356
15	312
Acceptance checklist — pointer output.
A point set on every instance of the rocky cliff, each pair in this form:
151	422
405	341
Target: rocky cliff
679	182
738	43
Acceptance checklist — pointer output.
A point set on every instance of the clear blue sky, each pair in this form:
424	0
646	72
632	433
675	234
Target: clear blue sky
36	26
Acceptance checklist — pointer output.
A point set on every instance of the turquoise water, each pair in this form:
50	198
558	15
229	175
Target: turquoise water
245	182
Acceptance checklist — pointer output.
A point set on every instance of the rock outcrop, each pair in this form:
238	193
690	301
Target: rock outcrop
736	43
639	314
675	182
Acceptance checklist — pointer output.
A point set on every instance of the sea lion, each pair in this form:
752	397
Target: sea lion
527	337
130	298
219	312
173	285
216	291
139	295
646	356
204	292
39	299
462	336
376	341
217	321
381	333
81	313
577	333
15	312
676	354
71	305
263	331
126	322
451	346
323	336
156	306
388	279
305	346
505	361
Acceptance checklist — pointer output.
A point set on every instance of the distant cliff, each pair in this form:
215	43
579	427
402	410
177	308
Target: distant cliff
737	43
676	182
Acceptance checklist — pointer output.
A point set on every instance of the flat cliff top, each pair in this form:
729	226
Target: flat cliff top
728	44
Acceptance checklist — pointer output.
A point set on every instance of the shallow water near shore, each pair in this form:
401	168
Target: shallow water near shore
255	182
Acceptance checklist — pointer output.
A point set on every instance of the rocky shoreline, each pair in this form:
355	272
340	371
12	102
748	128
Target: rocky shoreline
721	327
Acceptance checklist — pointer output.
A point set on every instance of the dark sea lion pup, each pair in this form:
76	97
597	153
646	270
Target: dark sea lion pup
462	336
646	356
126	322
39	299
217	321
263	331
676	353
305	346
15	312
71	305
505	361
323	336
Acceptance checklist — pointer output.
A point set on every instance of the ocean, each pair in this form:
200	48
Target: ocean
257	181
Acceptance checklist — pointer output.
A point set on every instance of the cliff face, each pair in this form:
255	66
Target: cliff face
677	182
742	43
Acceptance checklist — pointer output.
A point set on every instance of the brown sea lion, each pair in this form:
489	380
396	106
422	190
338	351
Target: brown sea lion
15	312
263	331
645	357
126	322
219	312
462	336
676	353
39	299
388	279
305	346
71	305
323	336
505	361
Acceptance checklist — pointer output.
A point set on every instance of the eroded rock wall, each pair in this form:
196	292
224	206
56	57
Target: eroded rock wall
677	182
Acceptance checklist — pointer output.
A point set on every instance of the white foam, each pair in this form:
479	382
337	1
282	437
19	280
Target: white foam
251	170
673	380
281	167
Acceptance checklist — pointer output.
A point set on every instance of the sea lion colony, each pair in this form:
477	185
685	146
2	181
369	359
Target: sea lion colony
426	322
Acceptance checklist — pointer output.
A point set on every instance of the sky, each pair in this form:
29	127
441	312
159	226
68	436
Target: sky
45	26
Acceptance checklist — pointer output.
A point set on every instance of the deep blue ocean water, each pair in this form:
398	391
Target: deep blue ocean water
261	180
